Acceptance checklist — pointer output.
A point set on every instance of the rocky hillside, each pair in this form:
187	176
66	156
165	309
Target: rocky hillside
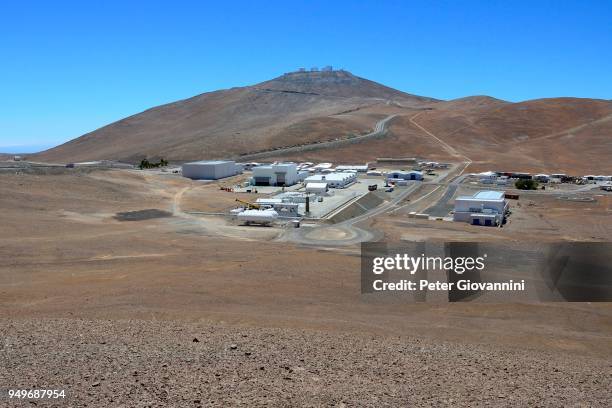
238	120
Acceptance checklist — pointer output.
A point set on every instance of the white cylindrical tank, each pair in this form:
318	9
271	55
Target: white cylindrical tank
258	216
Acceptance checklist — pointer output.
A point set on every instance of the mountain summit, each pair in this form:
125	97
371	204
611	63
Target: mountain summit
339	83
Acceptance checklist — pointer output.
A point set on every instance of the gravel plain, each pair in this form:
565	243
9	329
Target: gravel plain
138	363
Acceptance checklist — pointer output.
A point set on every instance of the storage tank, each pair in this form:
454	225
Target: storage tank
262	217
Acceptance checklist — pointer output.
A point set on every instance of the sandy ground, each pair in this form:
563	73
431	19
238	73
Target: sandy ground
89	299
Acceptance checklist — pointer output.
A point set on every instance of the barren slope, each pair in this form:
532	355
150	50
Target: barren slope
239	120
546	135
558	134
569	135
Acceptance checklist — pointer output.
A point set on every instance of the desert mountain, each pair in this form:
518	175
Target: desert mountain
557	134
569	135
238	120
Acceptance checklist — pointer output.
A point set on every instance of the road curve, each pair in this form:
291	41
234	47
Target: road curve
352	234
380	129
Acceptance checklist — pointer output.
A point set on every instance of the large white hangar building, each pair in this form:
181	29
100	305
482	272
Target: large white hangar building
279	174
211	169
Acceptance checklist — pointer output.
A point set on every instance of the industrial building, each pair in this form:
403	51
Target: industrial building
292	197
404	175
319	188
434	165
483	208
210	169
283	209
333	180
322	166
278	174
502	180
486	177
362	168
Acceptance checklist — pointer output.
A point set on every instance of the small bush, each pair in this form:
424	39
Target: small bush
146	164
525	184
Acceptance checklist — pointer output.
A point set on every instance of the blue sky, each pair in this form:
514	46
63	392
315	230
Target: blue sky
70	67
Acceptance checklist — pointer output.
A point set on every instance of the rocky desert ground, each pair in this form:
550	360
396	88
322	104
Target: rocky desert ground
137	363
172	309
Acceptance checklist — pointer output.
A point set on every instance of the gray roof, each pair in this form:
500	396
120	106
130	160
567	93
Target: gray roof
211	162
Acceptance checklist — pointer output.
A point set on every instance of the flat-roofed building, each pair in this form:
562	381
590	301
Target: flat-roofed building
333	180
210	169
362	168
483	208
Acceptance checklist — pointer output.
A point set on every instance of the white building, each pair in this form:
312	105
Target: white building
322	166
210	169
404	175
292	197
316	188
333	180
284	209
486	177
278	174
501	180
268	201
356	167
483	208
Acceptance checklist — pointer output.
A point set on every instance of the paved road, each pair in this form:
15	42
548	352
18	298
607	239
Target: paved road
352	233
380	129
444	205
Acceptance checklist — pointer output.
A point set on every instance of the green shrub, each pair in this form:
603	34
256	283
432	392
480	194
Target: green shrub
146	164
526	184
